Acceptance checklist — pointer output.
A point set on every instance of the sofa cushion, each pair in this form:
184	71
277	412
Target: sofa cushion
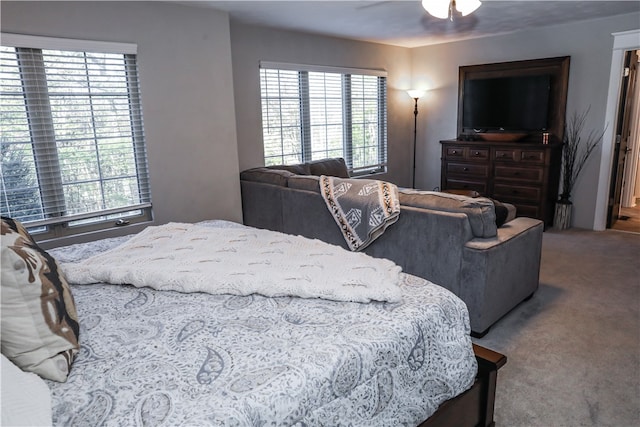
39	320
305	182
505	212
300	169
480	210
267	176
331	167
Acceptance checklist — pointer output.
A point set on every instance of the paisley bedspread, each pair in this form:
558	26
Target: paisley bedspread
154	358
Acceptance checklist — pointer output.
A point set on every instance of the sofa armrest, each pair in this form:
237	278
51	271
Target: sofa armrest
500	272
505	233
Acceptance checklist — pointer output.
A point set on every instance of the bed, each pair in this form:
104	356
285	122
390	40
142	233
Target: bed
241	357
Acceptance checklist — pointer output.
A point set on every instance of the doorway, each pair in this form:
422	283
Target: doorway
624	195
622	42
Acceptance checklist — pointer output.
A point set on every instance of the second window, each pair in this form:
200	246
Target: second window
313	113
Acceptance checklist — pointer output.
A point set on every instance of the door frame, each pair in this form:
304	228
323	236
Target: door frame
622	42
630	191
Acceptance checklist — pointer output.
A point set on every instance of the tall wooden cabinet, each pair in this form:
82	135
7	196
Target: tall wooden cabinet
525	174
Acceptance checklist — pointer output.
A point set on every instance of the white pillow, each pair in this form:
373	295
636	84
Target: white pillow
25	399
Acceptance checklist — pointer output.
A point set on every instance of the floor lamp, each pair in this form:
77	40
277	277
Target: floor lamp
415	94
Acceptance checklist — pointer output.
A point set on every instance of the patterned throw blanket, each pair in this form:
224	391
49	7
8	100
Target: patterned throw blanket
240	261
362	208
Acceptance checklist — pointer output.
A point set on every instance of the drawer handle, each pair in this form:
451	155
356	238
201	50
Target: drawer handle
503	155
465	169
532	157
477	153
454	152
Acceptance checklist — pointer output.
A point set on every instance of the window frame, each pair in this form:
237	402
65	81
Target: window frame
347	114
54	226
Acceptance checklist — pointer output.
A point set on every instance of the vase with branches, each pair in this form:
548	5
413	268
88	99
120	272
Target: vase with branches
576	151
577	148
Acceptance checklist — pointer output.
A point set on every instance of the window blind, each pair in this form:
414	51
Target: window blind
73	150
334	112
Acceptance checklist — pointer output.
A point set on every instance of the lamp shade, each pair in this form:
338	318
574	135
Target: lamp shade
415	93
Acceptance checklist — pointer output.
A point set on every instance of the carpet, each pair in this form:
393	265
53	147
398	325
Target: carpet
574	348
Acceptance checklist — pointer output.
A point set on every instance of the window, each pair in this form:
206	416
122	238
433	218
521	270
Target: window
72	144
312	113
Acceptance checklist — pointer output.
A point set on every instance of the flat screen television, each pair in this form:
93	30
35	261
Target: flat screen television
510	103
516	99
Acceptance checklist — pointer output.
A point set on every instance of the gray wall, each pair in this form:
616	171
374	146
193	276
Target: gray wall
588	43
251	44
184	55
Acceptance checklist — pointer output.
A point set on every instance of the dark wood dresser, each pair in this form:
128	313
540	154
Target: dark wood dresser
525	174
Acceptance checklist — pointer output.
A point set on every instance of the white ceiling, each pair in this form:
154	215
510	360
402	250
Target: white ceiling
405	22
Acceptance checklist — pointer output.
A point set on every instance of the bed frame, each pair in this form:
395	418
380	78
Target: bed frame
474	407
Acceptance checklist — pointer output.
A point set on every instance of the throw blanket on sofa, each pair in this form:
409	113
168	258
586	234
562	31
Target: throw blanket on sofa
362	208
240	261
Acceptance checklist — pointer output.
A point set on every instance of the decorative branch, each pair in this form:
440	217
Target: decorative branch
573	157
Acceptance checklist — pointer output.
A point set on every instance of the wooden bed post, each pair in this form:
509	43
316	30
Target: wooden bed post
474	407
489	362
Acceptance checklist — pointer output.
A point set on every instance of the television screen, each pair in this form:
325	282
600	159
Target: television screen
519	103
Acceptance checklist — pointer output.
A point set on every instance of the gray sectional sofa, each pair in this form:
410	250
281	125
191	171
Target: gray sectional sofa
451	240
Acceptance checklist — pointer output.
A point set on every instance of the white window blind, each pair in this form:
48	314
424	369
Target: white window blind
72	140
312	113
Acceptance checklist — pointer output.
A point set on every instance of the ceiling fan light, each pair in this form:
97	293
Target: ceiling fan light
466	7
437	8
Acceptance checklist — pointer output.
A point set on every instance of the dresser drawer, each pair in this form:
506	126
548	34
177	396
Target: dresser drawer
479	170
505	192
532	156
455	153
462	184
526	174
477	153
506	155
467	153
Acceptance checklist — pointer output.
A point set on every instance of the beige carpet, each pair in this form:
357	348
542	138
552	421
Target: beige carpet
574	349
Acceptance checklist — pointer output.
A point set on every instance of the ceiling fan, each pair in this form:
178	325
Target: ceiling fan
442	9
